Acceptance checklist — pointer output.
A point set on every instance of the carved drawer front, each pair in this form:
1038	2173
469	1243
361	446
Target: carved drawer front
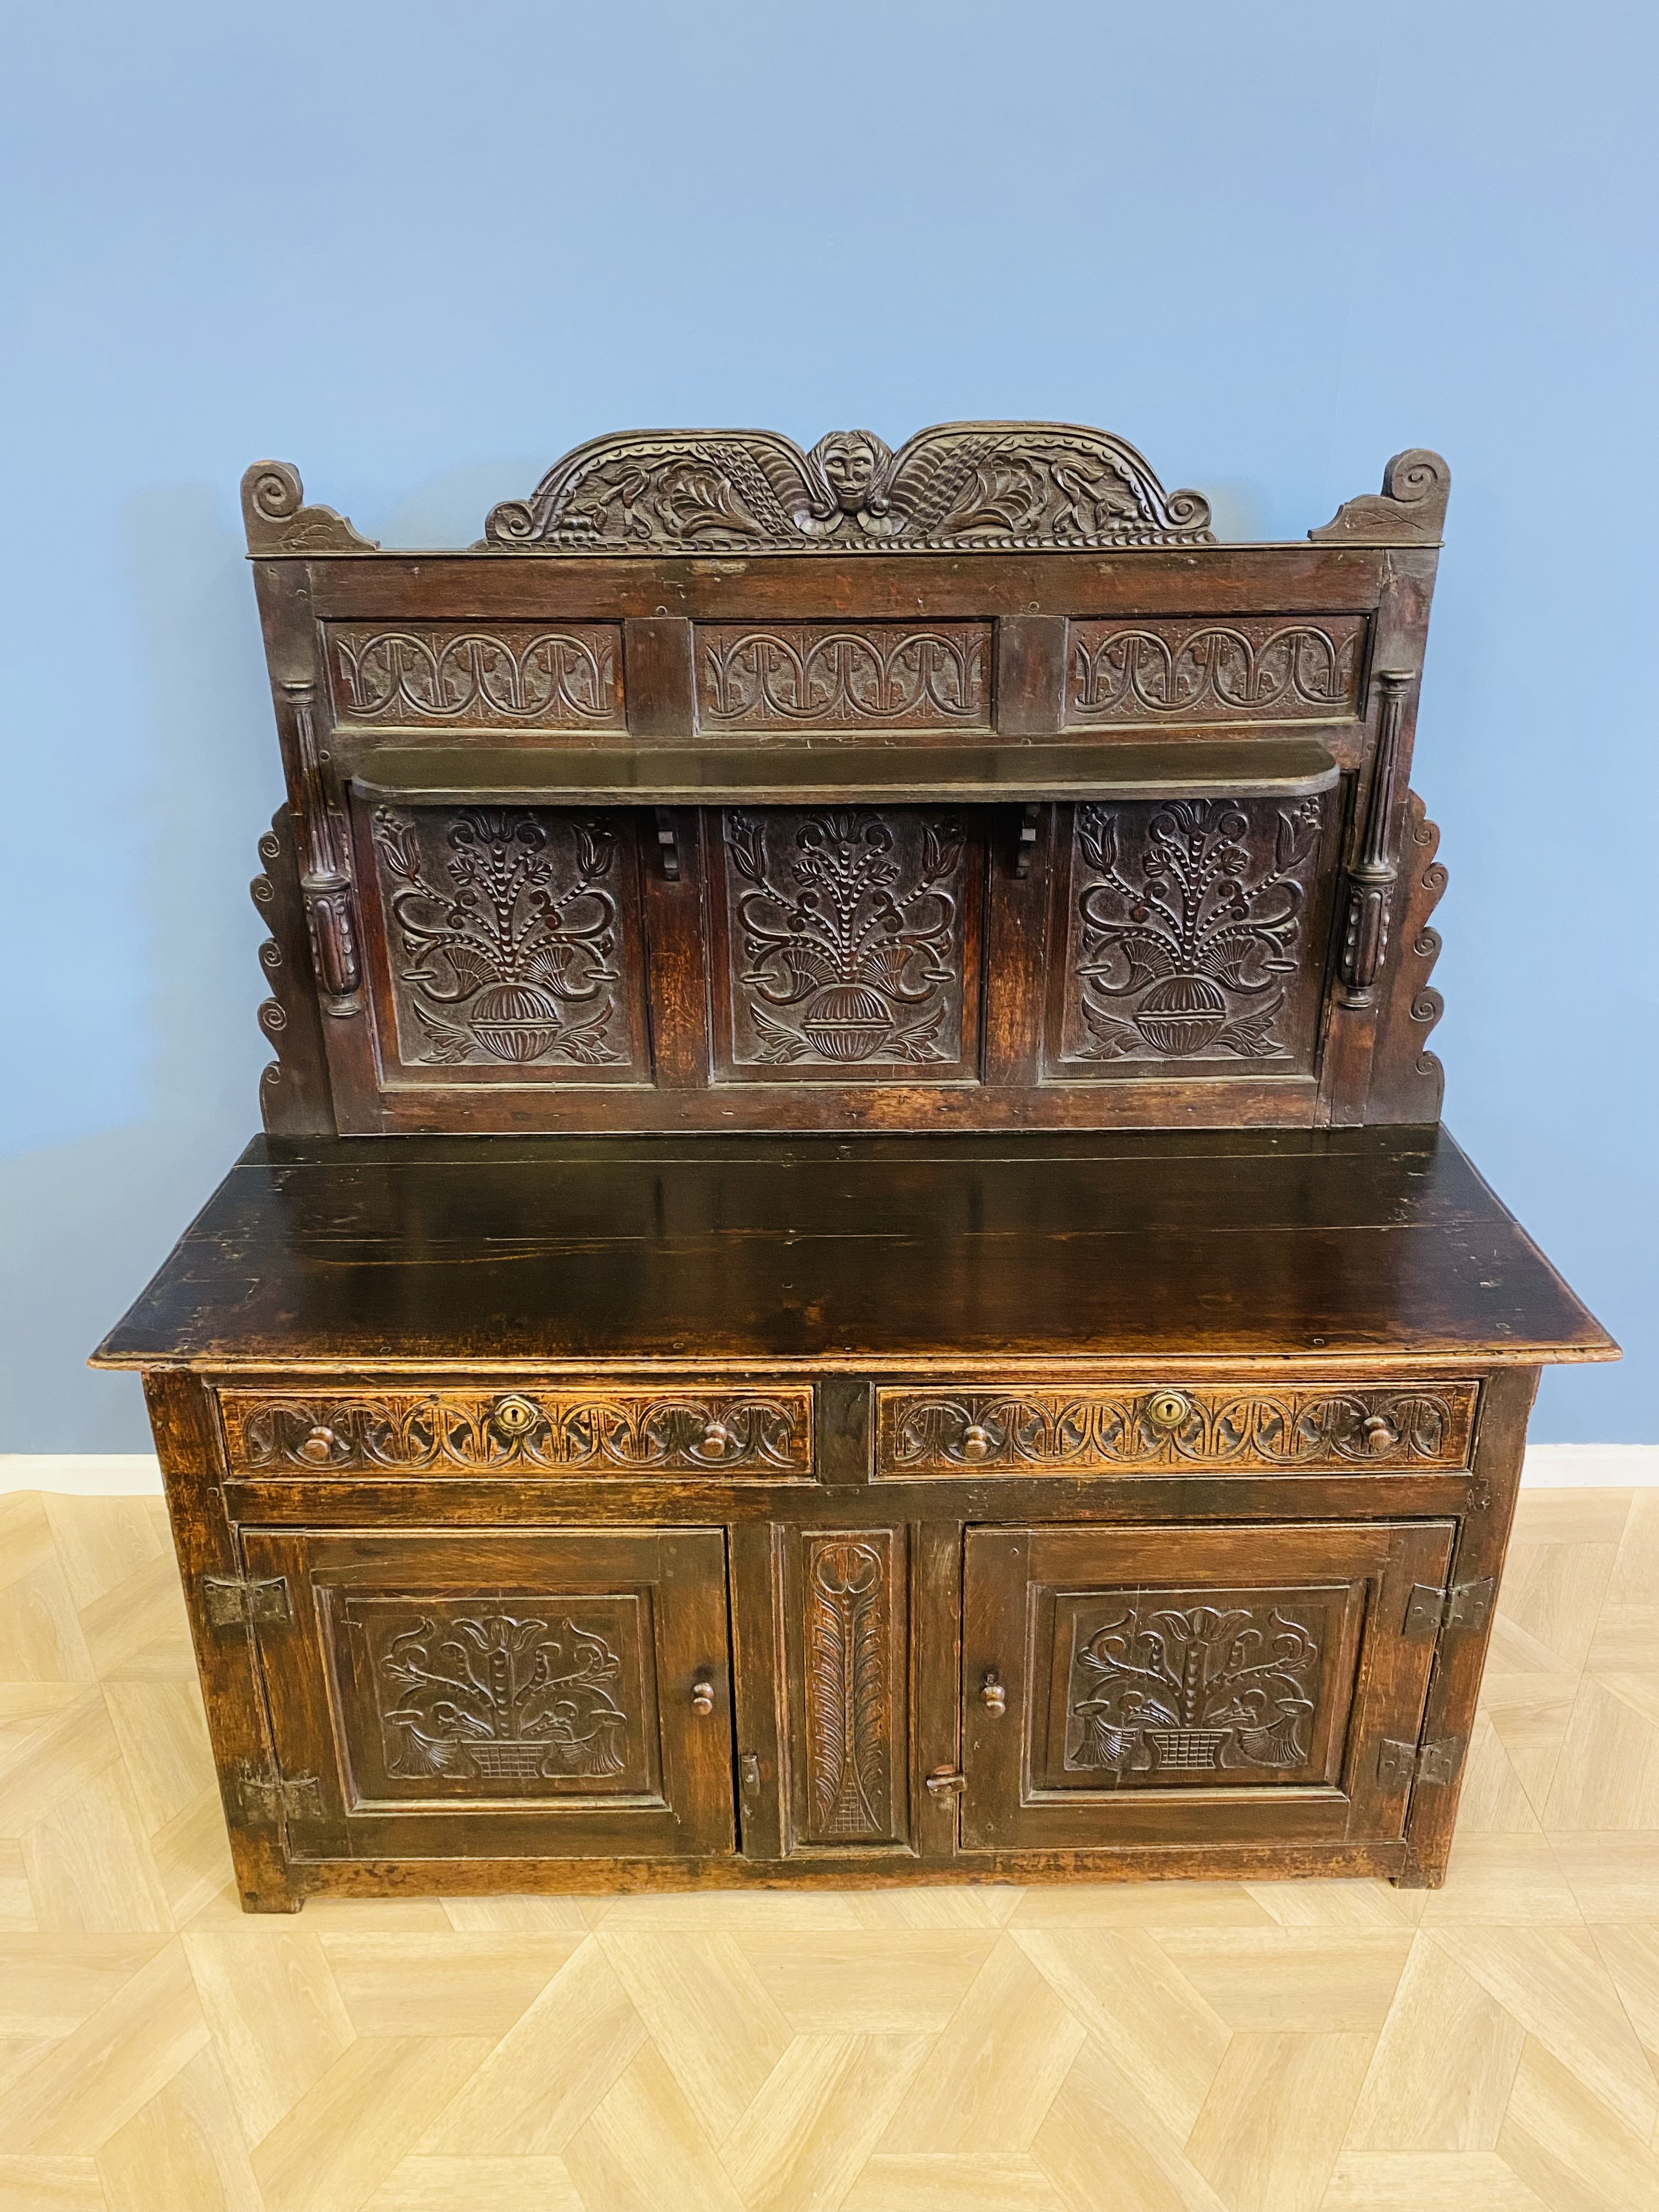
581	1431
497	1694
842	1600
1188	1683
1134	1428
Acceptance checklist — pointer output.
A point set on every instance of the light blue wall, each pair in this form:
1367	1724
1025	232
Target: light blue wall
422	250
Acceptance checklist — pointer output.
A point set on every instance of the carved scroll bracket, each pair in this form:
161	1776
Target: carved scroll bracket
1411	509
1372	880
293	1090
324	879
277	520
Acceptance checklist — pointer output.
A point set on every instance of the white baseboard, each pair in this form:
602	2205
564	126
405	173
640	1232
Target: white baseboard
136	1474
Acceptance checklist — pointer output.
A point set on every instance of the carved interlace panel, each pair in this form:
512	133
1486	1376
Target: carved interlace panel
1188	937
544	1430
847	937
879	676
1102	1431
1268	668
505	928
516	676
849	1688
503	1699
1163	1689
998	485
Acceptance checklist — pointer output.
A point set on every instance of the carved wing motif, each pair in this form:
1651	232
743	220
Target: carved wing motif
958	485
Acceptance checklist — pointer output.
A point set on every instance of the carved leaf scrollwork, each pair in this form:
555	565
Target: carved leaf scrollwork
1321	1426
591	1432
1001	485
848	1722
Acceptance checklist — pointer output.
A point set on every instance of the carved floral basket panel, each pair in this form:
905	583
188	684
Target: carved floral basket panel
847	940
1192	1689
1195	934
540	1695
511	943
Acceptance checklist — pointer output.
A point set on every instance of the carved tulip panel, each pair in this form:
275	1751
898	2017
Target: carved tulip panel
883	676
1195	939
510	944
504	676
849	935
1268	668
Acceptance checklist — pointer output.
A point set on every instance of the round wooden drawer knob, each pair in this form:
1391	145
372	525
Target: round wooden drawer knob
977	1442
992	1695
319	1446
716	1439
702	1697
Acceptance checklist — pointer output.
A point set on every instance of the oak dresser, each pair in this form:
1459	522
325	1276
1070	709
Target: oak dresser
853	1274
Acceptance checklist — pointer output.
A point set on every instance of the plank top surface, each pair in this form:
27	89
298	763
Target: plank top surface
1215	1246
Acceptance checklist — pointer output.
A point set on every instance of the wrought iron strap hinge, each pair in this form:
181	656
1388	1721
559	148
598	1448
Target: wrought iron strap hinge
1465	1605
1399	1765
233	1603
1469	1604
266	1800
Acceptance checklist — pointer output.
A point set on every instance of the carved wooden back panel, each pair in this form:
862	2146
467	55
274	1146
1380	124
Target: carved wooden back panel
729	786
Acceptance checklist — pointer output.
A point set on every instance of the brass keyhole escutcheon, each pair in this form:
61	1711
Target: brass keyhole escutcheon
977	1442
513	1416
1168	1409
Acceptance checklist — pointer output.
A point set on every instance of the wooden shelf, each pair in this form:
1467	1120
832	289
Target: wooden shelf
828	770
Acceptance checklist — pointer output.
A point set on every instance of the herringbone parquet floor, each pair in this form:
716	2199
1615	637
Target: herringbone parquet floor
1285	2047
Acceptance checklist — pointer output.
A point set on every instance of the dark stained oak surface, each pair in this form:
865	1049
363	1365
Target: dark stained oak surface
1224	1245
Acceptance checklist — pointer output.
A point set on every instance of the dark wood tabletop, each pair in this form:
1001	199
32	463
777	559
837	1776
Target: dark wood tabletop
1215	1246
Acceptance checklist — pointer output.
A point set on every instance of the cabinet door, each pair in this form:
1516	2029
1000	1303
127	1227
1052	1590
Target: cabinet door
1192	1685
501	1694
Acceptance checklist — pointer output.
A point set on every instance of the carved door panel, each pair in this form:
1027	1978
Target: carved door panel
1213	1684
844	944
505	944
1190	938
843	1602
503	1694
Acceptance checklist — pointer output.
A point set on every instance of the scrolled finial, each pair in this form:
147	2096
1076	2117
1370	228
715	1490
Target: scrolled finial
1411	509
277	520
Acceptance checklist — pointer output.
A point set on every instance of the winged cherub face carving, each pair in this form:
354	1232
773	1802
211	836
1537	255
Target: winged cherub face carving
852	464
